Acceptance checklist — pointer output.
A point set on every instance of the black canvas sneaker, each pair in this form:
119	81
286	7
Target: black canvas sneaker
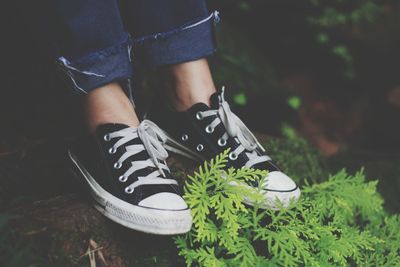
201	133
125	171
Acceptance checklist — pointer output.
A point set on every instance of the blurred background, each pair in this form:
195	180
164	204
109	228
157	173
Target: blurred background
326	72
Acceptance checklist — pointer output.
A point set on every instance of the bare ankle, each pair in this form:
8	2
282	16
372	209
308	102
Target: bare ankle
108	104
190	83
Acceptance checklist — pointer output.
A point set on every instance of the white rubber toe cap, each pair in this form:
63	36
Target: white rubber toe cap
278	181
280	190
164	201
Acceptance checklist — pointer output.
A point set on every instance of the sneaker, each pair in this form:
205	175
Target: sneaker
201	133
125	171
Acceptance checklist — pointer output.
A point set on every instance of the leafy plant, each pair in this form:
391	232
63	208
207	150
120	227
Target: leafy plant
332	17
338	222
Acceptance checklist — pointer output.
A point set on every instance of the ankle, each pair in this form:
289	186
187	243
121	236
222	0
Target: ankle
189	83
108	104
183	97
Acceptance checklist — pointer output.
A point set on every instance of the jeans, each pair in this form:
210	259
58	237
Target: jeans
96	41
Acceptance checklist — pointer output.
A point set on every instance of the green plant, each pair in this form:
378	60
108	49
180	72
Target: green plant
333	19
338	222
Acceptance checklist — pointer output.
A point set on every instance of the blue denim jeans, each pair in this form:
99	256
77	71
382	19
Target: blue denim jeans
97	40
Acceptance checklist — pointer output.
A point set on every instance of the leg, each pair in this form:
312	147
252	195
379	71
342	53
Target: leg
189	83
178	35
200	121
94	52
121	161
108	104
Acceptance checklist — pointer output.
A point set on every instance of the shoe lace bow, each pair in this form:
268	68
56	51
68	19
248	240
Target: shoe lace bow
152	138
236	129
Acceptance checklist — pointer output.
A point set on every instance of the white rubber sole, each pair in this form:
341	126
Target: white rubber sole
153	221
273	199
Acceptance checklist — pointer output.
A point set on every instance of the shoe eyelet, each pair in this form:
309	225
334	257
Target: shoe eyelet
122	178
209	129
117	165
199	116
128	190
200	147
106	137
112	150
233	156
185	137
221	142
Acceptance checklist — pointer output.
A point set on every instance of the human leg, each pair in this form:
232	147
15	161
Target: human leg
121	162
198	119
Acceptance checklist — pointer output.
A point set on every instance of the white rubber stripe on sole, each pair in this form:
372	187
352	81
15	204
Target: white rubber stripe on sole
165	222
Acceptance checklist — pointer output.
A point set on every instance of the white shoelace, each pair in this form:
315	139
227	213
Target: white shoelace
235	128
152	137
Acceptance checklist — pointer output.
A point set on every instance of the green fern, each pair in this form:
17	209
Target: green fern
338	222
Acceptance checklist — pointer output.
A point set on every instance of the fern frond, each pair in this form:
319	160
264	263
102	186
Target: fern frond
338	222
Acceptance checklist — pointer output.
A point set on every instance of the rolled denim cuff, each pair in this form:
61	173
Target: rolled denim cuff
99	68
192	41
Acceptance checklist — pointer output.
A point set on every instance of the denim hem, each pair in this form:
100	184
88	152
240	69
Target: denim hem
191	41
99	68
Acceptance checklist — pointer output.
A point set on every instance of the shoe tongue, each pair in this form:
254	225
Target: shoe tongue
214	100
214	104
197	107
110	127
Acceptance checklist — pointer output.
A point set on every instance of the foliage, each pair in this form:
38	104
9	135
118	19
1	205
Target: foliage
335	13
334	17
238	62
294	102
337	222
334	27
